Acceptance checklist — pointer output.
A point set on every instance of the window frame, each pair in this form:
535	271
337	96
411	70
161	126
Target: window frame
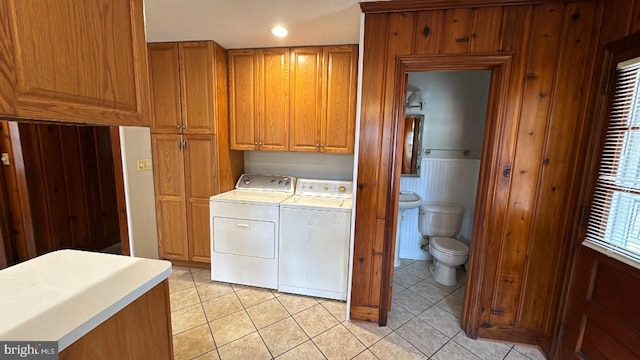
618	52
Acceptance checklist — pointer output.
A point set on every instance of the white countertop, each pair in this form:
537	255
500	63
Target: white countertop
62	295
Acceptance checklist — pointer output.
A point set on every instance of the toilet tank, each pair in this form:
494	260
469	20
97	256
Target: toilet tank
440	219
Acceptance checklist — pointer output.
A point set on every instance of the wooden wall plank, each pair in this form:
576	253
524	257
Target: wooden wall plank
370	130
635	18
71	160
554	214
515	39
35	186
547	21
108	203
57	201
428	32
400	42
486	30
457	31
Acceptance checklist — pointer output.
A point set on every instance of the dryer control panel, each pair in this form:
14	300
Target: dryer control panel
330	188
266	183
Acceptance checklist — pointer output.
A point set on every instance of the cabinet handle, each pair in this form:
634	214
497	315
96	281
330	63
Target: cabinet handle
179	143
184	144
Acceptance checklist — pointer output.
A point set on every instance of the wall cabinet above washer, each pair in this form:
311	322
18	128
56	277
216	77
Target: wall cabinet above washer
259	99
293	99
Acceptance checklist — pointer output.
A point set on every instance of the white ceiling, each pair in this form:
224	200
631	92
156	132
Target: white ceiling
246	23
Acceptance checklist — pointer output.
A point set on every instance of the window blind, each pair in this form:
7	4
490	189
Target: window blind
614	221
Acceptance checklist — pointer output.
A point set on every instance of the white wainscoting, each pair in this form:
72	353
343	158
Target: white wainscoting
446	180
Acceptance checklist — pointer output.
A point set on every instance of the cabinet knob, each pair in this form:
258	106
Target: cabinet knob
317	145
177	126
184	126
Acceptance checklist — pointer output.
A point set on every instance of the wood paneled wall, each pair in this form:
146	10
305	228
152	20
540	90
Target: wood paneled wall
72	192
527	200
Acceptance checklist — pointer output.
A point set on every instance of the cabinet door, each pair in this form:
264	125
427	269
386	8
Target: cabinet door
74	61
305	84
168	173
339	117
273	99
165	87
242	99
196	69
201	180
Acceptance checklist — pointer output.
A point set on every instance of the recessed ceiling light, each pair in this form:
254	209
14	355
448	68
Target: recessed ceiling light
279	31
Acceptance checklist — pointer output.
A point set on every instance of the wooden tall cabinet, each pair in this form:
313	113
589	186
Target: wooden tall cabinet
323	97
259	99
191	155
74	61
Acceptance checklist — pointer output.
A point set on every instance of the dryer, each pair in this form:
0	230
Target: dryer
245	230
315	227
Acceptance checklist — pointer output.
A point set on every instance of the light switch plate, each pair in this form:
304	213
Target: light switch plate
144	165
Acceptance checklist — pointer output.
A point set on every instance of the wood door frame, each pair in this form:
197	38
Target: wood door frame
500	67
116	154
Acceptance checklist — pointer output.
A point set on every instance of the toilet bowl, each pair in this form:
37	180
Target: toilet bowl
448	254
440	222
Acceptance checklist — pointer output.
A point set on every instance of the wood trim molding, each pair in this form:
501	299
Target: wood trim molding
116	154
422	5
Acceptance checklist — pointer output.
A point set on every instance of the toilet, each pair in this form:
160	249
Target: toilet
440	222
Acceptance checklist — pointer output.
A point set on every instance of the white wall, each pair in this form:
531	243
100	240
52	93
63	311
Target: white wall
141	209
300	164
455	109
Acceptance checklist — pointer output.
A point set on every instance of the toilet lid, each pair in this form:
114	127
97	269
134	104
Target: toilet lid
449	245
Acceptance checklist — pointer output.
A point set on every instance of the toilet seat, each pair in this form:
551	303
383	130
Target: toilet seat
449	246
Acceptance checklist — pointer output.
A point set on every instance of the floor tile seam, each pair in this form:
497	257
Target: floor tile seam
443	308
297	346
356	336
523	354
323	354
330	313
410	343
451	340
326	330
264	342
471	351
435	328
191	328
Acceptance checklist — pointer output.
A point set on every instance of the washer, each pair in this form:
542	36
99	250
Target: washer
315	226
245	230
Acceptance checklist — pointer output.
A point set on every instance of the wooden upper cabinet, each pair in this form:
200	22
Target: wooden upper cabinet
182	86
299	99
259	99
323	100
198	99
165	87
74	61
242	99
339	99
306	98
273	99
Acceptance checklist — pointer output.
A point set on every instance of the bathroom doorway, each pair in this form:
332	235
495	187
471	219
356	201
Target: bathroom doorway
453	109
469	142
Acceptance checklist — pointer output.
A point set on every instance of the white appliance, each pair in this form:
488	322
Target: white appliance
245	230
315	227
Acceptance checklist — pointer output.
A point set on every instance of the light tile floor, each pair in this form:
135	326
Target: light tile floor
213	320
